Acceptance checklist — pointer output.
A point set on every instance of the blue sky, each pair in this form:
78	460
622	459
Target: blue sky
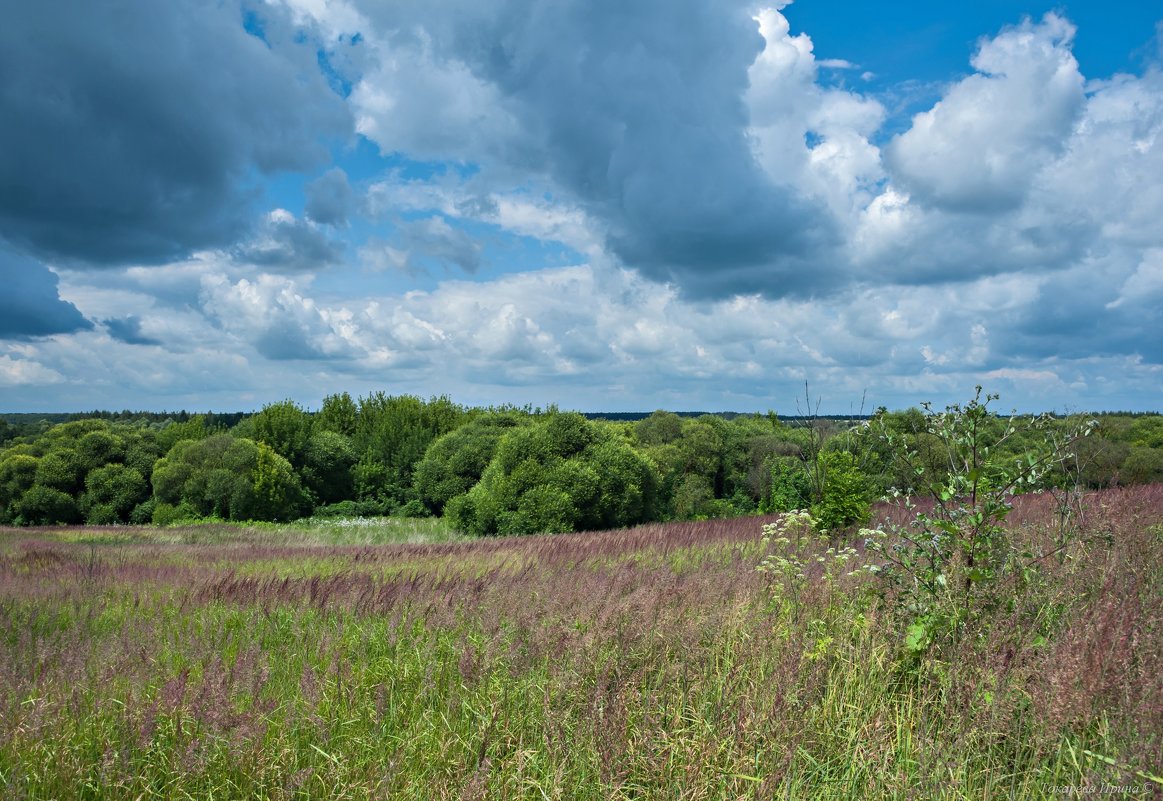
673	204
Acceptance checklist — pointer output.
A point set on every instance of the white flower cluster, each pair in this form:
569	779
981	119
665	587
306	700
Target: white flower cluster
800	527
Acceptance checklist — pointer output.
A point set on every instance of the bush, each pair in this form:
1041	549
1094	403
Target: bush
790	488
562	473
42	506
142	514
845	499
413	508
166	514
352	509
945	567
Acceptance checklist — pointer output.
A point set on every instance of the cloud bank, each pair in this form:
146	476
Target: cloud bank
669	204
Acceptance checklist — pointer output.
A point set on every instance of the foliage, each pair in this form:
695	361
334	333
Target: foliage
660	428
789	489
561	473
339	414
261	661
167	514
455	462
391	437
43	505
949	565
403	454
1098	461
328	462
844	497
17	475
194	428
285	427
1143	465
61	470
111	494
694	498
348	509
98	448
230	478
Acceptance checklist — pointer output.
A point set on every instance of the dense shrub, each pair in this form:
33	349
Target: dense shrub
845	498
111	493
235	479
561	473
454	463
44	505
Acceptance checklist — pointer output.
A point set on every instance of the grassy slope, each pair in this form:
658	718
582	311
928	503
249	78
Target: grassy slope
653	663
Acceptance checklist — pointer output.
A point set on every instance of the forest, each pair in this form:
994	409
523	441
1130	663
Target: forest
500	471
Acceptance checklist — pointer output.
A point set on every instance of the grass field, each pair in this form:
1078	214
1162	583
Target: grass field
392	659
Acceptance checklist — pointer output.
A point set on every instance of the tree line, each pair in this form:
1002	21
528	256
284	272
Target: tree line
492	471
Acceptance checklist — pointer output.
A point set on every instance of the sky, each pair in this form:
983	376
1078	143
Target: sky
607	206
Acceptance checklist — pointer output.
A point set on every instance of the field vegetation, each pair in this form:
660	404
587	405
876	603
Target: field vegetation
365	661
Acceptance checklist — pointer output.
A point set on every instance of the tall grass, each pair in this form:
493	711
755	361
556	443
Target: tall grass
649	663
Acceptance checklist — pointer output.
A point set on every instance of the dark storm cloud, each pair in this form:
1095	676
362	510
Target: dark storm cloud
638	109
286	341
330	198
128	330
133	129
30	305
642	110
290	245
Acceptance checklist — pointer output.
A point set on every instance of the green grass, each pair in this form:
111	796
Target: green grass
364	530
309	661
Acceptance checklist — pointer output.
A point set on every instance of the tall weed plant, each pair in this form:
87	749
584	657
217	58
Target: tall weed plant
954	561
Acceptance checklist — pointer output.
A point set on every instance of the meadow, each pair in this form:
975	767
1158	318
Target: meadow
393	659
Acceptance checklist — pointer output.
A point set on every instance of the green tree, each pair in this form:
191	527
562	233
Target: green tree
274	492
845	499
46	506
392	434
659	428
694	497
763	452
1143	466
111	493
327	469
286	428
455	462
62	470
17	476
338	414
1098	461
701	449
561	473
172	433
790	489
98	448
627	485
1146	432
228	477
